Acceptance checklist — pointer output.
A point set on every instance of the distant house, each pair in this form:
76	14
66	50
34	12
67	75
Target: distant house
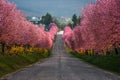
34	20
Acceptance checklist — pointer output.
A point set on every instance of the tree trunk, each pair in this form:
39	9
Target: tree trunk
116	51
3	48
108	52
86	52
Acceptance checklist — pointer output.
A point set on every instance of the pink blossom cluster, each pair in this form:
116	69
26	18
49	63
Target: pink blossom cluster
99	29
15	29
53	30
67	36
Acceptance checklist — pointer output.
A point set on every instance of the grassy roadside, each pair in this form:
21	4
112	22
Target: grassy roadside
110	62
11	63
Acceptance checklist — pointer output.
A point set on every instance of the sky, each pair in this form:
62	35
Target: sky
59	8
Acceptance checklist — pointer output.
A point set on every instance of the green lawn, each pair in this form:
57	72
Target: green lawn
10	63
109	62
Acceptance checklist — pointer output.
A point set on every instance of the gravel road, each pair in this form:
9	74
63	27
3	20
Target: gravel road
61	66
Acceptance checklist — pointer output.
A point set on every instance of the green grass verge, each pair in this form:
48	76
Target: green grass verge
110	62
11	63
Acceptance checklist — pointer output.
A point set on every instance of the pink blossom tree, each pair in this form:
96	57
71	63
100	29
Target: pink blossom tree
15	29
77	38
67	35
53	30
101	21
100	27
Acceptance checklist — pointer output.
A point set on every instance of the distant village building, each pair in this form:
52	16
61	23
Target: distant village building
34	20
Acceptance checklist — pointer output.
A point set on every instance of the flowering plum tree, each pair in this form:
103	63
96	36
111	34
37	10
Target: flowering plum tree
99	29
16	30
53	30
67	35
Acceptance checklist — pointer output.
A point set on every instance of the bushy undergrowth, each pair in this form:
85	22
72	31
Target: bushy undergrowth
18	57
108	62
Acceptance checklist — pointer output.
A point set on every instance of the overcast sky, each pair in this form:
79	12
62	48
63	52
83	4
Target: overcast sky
65	8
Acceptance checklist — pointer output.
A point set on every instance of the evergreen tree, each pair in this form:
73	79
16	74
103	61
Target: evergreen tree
47	19
75	20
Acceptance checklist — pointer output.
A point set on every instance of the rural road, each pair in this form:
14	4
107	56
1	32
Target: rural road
61	66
